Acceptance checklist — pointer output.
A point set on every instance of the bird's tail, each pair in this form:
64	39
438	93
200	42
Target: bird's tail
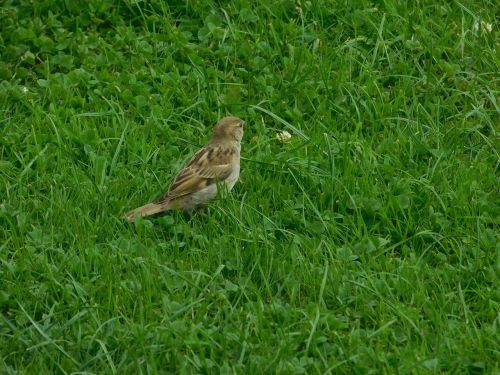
146	210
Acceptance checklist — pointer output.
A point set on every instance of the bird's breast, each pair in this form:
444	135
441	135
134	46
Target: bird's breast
233	177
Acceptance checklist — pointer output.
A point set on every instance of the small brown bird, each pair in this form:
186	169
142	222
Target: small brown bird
216	163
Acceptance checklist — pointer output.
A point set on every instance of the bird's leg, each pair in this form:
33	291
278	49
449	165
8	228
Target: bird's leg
201	210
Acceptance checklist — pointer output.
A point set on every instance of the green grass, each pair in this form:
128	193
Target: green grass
367	244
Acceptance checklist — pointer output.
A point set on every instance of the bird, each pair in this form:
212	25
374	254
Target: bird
215	164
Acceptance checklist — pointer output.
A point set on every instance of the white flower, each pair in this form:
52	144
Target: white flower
484	27
283	137
24	89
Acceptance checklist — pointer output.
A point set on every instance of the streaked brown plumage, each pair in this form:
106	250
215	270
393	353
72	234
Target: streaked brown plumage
196	183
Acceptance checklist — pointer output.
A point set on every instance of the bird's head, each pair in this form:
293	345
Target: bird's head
230	128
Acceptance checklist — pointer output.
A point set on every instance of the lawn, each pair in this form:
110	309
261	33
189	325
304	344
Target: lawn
366	243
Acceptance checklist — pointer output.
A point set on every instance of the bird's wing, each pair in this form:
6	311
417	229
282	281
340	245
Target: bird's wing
208	165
